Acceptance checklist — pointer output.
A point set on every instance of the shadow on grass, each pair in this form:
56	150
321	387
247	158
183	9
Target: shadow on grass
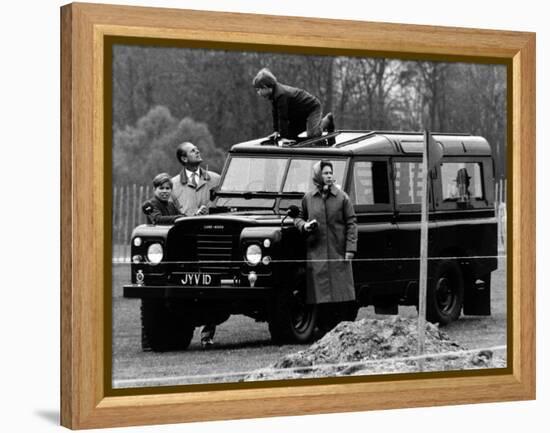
220	345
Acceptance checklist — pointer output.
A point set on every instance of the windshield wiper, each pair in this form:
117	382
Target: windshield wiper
247	195
275	193
251	194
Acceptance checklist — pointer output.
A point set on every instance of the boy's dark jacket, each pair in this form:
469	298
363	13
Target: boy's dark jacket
160	212
291	107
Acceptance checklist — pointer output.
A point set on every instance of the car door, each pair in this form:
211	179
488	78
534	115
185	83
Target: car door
407	190
371	195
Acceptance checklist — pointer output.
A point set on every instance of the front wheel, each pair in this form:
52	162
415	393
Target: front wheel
163	329
292	320
445	293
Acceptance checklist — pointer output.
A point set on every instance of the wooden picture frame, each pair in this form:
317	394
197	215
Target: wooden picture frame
85	402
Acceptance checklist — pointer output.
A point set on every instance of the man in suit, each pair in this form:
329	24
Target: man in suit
192	185
191	194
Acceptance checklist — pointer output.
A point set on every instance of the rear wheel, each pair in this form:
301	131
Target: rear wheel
445	293
292	320
162	329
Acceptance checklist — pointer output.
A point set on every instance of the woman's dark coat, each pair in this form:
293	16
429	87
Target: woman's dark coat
329	275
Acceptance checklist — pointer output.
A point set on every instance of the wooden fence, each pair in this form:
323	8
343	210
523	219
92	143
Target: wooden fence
127	214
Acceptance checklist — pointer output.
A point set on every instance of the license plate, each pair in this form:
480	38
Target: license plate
198	279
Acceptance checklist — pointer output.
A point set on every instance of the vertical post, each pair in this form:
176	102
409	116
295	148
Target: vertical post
120	235
497	196
134	209
147	195
498	200
140	214
505	213
113	224
423	279
126	218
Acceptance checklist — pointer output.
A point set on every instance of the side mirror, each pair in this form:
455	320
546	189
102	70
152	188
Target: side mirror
293	211
213	194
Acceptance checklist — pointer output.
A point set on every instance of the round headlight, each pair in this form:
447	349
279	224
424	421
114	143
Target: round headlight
155	253
253	254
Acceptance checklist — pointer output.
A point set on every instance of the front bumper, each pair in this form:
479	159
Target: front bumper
230	293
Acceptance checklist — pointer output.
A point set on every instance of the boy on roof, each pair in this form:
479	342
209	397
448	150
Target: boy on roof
294	110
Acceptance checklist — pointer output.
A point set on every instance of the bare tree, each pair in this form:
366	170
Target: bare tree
214	88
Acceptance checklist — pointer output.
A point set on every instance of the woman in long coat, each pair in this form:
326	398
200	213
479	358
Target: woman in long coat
328	220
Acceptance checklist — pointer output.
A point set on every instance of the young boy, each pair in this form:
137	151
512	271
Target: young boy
159	209
294	110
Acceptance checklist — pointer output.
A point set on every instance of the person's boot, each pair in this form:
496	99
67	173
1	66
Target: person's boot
207	335
328	123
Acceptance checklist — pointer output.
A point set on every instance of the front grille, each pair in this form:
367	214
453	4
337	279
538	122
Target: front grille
216	253
206	245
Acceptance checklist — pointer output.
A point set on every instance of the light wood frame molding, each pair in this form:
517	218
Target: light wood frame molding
84	402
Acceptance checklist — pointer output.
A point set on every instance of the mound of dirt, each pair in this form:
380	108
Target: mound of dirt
371	346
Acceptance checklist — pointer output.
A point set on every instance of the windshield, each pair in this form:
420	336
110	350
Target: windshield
246	174
254	174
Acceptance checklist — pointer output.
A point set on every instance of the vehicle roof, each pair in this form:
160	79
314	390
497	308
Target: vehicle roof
348	143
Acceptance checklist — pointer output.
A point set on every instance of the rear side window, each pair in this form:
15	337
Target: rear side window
370	183
462	181
408	182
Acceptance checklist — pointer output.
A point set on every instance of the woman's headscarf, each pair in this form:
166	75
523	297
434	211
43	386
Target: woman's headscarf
317	176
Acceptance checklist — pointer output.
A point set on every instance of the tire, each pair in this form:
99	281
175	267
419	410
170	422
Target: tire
291	319
162	329
445	293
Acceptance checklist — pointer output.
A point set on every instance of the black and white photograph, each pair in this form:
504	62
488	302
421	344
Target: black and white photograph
271	219
91	342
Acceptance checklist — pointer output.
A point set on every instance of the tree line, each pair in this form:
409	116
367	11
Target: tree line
163	96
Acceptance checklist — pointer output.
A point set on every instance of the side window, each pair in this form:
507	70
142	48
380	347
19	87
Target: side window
299	174
461	181
370	183
408	182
